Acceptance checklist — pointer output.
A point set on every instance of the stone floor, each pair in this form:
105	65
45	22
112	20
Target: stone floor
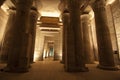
53	70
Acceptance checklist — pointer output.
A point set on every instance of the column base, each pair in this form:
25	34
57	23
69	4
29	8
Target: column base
76	69
112	68
15	70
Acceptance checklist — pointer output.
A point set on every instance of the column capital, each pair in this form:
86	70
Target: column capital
34	10
63	5
85	17
74	4
66	11
24	1
34	13
23	4
12	10
64	14
99	5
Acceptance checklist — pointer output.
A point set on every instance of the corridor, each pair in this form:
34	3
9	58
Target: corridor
76	33
53	70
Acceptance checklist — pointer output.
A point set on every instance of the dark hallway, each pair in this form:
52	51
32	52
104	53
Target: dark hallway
59	39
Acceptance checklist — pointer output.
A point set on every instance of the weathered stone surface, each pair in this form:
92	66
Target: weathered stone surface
75	55
32	32
116	16
106	60
5	35
18	39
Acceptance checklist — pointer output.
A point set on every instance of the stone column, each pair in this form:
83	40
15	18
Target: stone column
68	43
45	48
18	40
89	56
65	19
5	47
106	60
39	45
75	56
61	42
33	21
42	44
57	47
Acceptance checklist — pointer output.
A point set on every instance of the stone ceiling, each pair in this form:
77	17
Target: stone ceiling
45	7
49	8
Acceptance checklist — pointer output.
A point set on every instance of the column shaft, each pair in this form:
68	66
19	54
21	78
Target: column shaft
57	47
106	60
65	20
88	52
75	55
33	21
69	45
18	40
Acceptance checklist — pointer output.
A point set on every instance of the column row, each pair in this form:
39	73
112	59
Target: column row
72	38
76	38
20	37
